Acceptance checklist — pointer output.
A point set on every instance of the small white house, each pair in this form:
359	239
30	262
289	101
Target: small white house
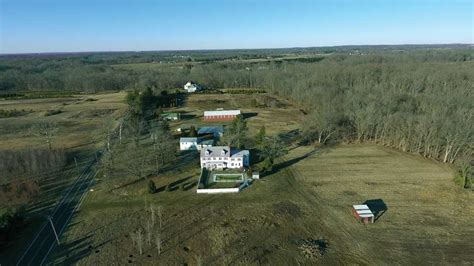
221	157
191	87
186	144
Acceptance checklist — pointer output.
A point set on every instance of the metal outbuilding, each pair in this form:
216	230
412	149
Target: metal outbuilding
363	213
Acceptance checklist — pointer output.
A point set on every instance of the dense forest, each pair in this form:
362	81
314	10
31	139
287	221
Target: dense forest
416	99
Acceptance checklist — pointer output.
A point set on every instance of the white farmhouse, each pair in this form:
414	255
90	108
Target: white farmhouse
221	157
191	87
186	144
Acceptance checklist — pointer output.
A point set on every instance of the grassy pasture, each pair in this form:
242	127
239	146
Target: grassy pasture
80	123
308	196
79	118
275	119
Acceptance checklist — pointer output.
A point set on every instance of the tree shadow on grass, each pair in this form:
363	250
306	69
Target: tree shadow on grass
180	162
187	116
278	167
290	136
189	186
175	184
71	252
377	206
249	115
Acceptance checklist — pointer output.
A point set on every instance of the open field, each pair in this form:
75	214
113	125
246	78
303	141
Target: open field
279	119
81	121
308	196
427	220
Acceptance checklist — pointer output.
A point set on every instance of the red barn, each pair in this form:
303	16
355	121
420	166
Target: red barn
221	115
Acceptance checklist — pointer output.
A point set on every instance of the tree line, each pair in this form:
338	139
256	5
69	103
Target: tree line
416	100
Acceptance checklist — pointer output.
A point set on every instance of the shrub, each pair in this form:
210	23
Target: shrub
10	220
52	112
250	172
13	113
151	187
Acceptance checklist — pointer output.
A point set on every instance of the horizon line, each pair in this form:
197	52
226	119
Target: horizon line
231	49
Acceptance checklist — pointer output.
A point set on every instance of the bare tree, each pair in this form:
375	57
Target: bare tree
164	149
138	239
47	131
136	162
198	260
149	232
158	242
159	211
152	215
107	131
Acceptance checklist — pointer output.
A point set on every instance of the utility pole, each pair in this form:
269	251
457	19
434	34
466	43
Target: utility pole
54	229
75	161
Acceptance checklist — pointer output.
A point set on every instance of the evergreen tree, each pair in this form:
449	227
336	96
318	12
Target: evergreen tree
151	187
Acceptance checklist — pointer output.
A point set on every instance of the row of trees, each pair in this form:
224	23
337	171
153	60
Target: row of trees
143	144
417	101
97	72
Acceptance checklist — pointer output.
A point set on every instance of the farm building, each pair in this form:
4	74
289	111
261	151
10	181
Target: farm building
186	144
222	157
191	86
255	175
363	213
221	115
216	131
170	116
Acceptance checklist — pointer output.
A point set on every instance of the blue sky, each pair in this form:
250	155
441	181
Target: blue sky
135	25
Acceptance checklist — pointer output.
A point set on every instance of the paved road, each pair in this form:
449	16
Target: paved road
44	242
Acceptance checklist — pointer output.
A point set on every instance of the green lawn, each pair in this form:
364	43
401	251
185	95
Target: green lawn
228	177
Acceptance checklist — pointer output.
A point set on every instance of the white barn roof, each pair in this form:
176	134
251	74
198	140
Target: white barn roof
223	112
363	211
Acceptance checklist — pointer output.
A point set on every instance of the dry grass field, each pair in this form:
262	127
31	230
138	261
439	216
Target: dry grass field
80	120
275	119
428	220
307	197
